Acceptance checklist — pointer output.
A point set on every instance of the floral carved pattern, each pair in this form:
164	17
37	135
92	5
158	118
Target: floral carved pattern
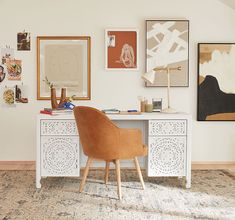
167	127
58	127
60	155
167	156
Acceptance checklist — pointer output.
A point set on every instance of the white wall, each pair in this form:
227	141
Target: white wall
210	21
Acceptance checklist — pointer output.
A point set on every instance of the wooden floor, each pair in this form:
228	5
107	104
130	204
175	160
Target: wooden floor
17	165
30	165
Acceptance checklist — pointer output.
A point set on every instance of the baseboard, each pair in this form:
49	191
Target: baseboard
205	165
196	165
213	165
17	165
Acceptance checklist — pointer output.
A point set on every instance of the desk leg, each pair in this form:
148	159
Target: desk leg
188	175
188	181
38	179
188	184
38	157
38	173
188	160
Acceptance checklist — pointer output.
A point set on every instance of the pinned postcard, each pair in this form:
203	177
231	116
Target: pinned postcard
23	41
8	97
21	94
2	72
7	53
14	69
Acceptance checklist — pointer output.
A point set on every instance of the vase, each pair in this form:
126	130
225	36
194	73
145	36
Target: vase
54	103
62	98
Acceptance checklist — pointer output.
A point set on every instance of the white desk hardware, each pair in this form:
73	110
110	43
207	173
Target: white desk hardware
168	137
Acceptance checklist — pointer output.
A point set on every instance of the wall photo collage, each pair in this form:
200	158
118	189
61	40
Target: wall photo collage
11	72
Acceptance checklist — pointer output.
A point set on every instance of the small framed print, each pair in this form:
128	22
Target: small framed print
121	49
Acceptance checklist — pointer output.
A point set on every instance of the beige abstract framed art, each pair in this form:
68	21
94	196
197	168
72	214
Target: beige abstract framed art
65	61
167	45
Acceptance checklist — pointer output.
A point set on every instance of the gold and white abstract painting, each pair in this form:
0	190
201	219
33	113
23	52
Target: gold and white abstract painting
167	46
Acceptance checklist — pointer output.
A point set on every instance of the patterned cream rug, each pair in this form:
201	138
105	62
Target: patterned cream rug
212	196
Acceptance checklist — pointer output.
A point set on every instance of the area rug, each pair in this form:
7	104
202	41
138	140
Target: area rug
212	196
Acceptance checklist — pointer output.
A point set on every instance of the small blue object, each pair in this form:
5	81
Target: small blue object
69	105
131	110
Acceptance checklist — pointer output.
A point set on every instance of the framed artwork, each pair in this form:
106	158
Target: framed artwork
167	45
216	77
64	62
121	49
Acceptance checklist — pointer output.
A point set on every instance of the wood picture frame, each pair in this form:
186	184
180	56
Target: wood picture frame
167	44
66	62
121	49
216	76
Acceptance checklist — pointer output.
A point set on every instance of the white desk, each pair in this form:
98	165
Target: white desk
168	137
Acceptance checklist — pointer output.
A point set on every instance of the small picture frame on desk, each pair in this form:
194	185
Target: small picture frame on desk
157	104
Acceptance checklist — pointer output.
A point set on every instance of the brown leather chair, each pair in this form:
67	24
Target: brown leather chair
101	139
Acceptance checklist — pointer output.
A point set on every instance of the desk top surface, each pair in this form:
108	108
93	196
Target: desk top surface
142	116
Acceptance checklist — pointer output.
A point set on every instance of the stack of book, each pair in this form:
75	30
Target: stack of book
59	111
111	111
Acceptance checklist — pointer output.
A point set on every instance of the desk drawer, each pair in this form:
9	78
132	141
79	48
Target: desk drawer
167	156
60	156
167	127
58	127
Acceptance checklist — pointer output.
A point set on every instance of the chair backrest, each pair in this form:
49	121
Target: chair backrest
97	133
